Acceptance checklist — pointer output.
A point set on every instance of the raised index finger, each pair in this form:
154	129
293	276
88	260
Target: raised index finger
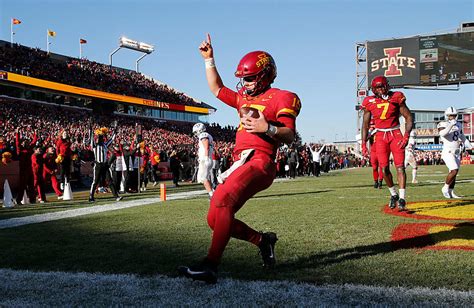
209	38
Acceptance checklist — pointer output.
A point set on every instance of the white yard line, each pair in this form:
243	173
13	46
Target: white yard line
34	219
27	289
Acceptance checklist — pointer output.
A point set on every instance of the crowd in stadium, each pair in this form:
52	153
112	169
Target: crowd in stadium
36	63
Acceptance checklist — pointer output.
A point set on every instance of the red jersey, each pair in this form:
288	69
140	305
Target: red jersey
37	164
63	147
49	163
279	107
386	113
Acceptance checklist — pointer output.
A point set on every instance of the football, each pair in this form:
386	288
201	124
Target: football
249	112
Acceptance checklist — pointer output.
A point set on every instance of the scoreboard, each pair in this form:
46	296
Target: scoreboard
423	60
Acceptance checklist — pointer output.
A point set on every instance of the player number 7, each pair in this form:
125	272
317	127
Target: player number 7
385	109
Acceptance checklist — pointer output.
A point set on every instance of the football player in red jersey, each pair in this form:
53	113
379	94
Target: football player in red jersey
377	172
267	118
386	107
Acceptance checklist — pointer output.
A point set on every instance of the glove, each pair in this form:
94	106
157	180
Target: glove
365	152
403	143
453	121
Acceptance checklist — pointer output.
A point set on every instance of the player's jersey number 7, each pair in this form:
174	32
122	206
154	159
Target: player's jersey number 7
383	116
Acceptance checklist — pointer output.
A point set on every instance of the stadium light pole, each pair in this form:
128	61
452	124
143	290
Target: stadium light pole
112	53
138	60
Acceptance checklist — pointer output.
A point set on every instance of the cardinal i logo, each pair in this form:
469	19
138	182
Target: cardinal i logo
393	63
451	228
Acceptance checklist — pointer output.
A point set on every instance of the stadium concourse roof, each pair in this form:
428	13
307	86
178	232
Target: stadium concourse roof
63	58
460	110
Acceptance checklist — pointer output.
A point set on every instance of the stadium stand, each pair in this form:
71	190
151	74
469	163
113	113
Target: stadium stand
36	63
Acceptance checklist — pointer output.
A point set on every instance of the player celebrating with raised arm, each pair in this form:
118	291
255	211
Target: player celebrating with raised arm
267	118
453	139
386	107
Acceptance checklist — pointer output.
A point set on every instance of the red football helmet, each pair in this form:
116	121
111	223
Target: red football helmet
380	82
261	66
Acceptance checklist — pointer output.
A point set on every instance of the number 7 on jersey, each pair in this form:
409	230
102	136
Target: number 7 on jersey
385	109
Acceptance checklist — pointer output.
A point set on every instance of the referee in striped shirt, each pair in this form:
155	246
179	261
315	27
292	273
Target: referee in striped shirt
101	167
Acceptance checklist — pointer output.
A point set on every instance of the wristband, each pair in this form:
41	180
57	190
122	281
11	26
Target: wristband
271	131
209	63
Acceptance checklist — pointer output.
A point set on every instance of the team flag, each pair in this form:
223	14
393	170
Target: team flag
51	33
82	41
16	21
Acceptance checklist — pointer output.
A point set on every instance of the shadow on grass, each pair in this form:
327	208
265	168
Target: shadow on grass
354	253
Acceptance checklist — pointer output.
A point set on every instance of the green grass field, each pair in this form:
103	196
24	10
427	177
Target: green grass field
331	229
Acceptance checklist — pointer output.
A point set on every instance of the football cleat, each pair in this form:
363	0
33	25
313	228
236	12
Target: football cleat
454	196
380	184
414	181
205	271
376	184
119	198
91	199
446	193
402	204
267	249
393	202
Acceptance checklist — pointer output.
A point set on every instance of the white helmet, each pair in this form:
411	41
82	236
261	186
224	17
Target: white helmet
199	128
451	111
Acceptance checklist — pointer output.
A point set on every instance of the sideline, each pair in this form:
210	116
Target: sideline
39	218
24	289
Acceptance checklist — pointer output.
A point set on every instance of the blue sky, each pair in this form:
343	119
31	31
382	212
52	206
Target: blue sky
311	41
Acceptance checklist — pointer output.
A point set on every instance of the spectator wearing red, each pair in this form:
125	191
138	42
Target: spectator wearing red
155	160
144	159
24	150
63	146
50	169
37	166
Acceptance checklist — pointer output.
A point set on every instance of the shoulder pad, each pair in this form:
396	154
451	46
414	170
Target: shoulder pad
442	124
203	135
399	96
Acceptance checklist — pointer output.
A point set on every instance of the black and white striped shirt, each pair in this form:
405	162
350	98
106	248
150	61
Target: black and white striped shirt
100	150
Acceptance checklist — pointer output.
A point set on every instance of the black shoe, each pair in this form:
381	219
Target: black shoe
205	271
380	184
402	205
376	184
267	249
393	202
118	198
91	199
